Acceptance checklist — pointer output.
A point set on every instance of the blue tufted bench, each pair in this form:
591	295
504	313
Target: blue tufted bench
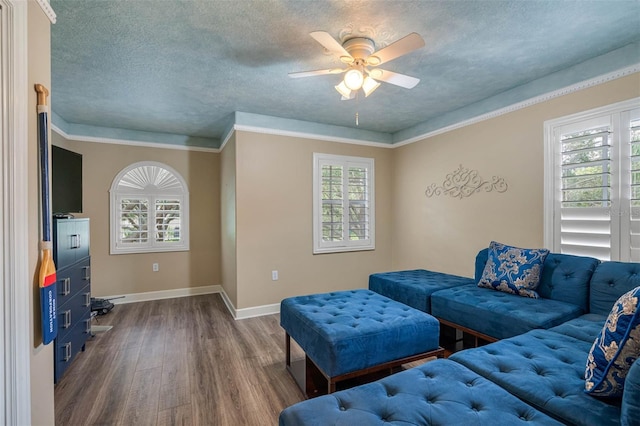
414	287
350	333
439	392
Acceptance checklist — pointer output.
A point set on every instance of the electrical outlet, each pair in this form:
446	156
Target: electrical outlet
155	267
274	275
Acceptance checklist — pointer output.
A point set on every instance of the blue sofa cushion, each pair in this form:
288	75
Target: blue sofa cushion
585	327
631	397
347	331
564	277
414	287
513	270
546	370
610	281
438	392
615	348
496	314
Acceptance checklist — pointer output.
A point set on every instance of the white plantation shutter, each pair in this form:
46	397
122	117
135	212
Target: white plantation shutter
585	185
630	235
332	202
168	214
592	183
343	203
133	215
358	187
149	210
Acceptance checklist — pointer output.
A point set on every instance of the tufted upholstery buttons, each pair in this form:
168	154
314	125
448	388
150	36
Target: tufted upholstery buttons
445	400
335	329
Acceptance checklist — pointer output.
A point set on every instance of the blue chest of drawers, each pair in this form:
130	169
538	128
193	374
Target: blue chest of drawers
73	264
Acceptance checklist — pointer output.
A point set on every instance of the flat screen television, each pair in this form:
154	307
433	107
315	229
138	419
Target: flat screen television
66	181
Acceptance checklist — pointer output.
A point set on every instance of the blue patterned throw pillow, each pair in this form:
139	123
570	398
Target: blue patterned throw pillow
615	349
513	270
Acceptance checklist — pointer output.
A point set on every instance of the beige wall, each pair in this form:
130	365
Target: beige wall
228	219
132	273
443	233
39	64
274	220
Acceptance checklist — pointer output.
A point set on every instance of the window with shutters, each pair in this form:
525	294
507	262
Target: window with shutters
592	183
149	210
343	203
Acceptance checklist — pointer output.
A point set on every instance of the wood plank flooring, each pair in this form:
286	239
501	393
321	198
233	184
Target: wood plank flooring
182	361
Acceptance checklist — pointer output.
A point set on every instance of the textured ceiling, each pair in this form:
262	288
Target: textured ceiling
185	67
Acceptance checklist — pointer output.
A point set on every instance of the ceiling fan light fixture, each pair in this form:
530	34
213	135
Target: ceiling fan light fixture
353	79
353	95
369	85
374	61
343	90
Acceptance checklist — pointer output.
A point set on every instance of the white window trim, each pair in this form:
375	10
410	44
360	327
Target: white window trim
114	218
552	196
319	246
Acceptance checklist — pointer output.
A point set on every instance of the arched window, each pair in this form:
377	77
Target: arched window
149	209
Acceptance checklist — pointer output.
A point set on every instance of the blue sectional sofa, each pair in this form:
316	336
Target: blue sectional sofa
563	290
539	355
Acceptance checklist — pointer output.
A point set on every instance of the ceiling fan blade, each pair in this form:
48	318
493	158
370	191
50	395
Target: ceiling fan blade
330	43
316	72
401	47
395	78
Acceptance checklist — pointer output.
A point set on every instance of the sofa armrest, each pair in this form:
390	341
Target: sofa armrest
630	409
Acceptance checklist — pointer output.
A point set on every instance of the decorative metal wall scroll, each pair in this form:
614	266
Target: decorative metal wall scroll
463	182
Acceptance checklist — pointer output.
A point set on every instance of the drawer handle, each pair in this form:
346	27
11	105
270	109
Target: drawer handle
66	323
87	273
87	299
87	326
75	241
66	286
67	351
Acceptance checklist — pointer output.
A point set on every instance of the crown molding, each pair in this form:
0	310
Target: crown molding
623	72
227	137
48	10
526	103
304	135
128	142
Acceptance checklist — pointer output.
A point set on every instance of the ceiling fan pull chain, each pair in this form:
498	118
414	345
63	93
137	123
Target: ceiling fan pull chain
357	108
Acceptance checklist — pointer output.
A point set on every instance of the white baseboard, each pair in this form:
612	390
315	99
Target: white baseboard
162	294
254	311
257	311
238	314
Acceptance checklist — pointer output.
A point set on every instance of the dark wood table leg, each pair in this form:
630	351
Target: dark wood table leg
287	350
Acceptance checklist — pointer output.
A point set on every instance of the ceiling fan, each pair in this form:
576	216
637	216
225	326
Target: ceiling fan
359	54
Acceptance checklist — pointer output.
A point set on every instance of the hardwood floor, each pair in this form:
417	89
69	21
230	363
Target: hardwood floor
182	361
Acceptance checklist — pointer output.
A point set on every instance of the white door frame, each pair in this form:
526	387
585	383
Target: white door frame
15	295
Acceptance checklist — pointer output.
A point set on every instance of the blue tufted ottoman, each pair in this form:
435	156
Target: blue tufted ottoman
440	392
347	334
414	287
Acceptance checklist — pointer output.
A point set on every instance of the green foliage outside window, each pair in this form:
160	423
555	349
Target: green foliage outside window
586	169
